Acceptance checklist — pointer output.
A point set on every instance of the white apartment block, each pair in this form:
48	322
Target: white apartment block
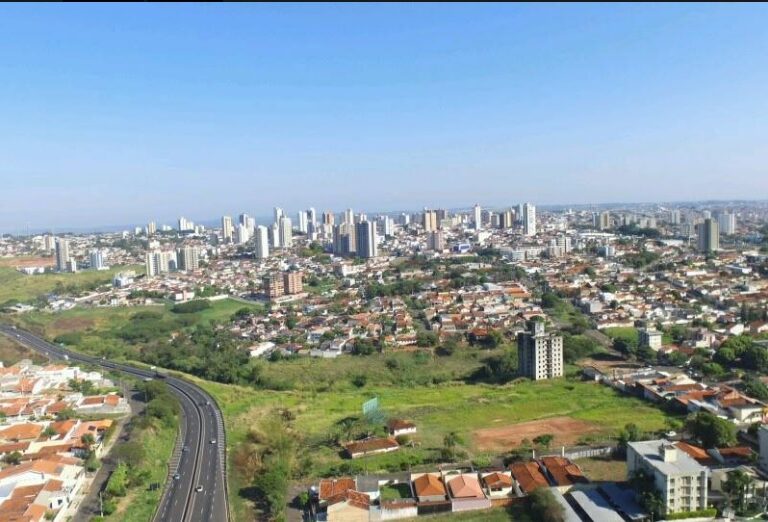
679	479
540	354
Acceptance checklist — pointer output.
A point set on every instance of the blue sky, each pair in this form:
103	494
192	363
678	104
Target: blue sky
114	114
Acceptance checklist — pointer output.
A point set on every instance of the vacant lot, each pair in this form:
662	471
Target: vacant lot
565	430
604	469
26	261
11	352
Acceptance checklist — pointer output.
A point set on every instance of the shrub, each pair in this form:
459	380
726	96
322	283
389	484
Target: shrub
190	307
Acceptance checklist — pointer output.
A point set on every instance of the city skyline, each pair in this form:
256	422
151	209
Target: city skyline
139	108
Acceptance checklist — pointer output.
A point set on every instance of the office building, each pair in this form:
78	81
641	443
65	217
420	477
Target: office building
477	217
366	240
64	261
708	236
727	223
435	241
189	258
429	220
529	219
261	240
292	282
540	354
680	480
274	286
285	232
97	259
227	229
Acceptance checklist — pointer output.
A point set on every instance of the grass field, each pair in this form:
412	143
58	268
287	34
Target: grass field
604	469
12	352
17	286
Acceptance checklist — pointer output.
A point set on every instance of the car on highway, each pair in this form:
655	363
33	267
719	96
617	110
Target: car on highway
176	476
185	449
199	489
213	441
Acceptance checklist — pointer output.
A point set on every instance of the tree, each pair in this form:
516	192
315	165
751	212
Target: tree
49	432
88	441
736	486
544	440
13	458
711	430
545	507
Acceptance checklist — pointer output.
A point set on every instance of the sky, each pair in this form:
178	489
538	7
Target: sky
118	114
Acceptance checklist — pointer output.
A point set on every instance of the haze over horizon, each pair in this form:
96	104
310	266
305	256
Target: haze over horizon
111	113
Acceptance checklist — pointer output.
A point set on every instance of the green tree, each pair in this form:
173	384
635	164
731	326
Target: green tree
13	458
544	439
736	486
545	507
711	431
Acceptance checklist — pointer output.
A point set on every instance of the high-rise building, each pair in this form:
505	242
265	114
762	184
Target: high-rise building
189	258
262	242
708	236
285	232
519	214
274	286
49	243
96	258
477	216
367	242
63	259
674	216
727	223
405	219
529	219
160	262
435	241
540	354
603	220
303	222
349	216
385	225
506	219
278	214
429	220
185	225
227	230
343	242
329	218
242	234
151	228
292	282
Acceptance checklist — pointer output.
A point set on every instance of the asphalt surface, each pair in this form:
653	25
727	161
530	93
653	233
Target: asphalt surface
199	463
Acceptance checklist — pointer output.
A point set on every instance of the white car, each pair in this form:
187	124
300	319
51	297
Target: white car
199	489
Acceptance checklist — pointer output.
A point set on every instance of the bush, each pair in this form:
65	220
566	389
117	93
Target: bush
701	513
190	307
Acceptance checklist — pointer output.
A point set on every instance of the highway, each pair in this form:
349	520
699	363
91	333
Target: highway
201	457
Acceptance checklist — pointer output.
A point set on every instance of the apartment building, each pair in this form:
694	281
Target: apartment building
540	354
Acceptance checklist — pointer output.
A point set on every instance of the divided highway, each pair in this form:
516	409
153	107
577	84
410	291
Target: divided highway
201	457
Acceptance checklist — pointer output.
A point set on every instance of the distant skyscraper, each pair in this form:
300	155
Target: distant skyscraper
49	243
285	232
151	228
529	219
385	225
709	236
727	223
405	219
674	216
62	255
367	244
293	282
349	216
278	214
603	220
302	223
311	216
329	218
262	242
96	259
242	234
189	258
506	219
227	230
344	239
435	241
477	216
429	220
185	225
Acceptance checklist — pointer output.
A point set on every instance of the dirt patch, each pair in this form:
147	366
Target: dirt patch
565	430
71	324
19	262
